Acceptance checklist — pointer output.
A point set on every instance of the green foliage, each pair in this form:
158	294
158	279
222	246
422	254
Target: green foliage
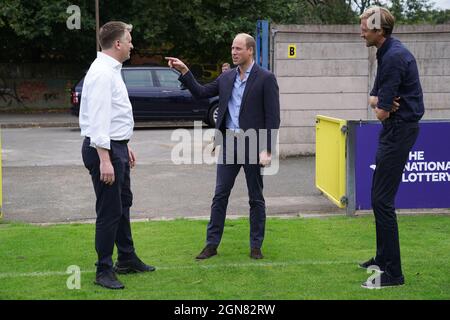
408	11
36	31
197	30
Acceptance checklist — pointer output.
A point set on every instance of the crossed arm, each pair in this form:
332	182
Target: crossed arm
382	114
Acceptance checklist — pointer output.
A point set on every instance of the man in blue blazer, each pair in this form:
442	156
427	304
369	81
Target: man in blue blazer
248	107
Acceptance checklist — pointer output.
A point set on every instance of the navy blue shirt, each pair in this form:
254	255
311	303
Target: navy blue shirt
397	76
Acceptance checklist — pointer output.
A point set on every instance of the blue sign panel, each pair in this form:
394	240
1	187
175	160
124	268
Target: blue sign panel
426	178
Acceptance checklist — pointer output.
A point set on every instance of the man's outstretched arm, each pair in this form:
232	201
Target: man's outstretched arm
187	78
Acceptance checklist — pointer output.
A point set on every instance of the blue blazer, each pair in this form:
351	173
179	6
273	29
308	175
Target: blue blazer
260	107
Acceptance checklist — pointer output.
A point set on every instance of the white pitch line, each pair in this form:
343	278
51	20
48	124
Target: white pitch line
34	274
199	266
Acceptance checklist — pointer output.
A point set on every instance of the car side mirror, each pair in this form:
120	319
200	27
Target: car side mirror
182	86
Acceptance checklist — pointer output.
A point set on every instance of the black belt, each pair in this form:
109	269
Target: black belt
120	141
116	141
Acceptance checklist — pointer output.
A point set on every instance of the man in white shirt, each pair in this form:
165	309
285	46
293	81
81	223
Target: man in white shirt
106	122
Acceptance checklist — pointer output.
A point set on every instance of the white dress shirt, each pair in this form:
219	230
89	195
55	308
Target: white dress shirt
105	110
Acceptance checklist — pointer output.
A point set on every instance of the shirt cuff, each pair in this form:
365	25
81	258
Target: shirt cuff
385	108
101	142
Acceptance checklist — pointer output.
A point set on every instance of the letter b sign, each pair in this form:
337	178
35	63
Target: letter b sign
292	51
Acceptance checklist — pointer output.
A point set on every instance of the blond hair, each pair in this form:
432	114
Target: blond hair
387	20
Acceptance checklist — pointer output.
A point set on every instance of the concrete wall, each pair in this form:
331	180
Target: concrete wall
334	71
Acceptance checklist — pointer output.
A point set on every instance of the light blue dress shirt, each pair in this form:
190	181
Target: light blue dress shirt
234	105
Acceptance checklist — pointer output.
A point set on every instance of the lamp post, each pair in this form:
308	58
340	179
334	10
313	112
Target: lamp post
97	25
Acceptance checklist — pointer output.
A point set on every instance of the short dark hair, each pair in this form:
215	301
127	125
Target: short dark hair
112	31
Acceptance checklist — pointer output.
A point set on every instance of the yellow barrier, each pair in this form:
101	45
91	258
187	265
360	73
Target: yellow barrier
1	190
331	158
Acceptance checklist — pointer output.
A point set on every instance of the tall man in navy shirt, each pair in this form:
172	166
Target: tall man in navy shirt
248	102
397	101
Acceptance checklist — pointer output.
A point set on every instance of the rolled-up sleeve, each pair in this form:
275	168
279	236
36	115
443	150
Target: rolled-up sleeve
99	101
390	77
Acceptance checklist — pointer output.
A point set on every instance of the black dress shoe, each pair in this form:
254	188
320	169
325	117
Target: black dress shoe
207	253
371	263
132	266
383	280
256	253
108	280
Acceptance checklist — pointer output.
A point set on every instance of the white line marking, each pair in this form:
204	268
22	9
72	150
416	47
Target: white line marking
198	266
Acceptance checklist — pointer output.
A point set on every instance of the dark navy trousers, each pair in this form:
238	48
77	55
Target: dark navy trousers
395	142
226	176
112	205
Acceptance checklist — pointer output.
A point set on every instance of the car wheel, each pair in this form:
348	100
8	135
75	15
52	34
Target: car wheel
213	114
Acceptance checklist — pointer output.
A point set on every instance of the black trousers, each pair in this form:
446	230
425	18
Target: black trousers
395	142
112	205
226	176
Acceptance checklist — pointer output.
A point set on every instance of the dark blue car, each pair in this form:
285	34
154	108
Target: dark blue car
156	94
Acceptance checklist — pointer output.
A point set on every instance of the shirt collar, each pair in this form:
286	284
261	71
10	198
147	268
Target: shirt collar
110	61
247	72
384	47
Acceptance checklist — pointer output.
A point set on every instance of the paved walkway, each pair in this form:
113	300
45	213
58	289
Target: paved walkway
44	179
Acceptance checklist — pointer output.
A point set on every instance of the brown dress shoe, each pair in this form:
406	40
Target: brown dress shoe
207	252
256	253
